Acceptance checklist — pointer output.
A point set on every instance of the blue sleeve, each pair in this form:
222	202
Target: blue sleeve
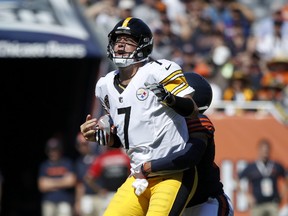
282	171
184	159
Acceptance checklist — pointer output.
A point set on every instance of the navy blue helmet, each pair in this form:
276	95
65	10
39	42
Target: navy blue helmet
203	92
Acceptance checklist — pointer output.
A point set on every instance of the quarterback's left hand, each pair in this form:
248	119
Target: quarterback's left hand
162	94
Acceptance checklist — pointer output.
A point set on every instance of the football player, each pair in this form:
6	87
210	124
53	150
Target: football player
209	198
147	102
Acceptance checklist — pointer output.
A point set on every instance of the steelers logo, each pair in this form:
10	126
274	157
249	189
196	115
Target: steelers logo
142	94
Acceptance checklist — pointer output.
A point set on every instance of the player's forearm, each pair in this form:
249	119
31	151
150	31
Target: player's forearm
181	160
173	161
184	106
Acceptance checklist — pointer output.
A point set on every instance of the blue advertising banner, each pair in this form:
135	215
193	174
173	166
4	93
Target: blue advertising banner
45	29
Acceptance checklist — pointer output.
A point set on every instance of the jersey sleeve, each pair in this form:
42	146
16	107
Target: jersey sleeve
173	79
281	169
201	124
100	88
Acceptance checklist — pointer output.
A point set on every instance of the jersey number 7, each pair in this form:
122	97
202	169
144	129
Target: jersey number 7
126	111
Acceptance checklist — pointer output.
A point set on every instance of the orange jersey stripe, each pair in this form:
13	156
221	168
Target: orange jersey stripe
201	124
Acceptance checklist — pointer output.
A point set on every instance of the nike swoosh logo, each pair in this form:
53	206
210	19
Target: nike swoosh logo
167	68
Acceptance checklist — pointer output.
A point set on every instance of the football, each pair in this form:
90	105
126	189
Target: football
103	130
104	123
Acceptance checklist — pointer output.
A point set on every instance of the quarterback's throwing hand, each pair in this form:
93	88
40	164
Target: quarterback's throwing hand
88	128
162	94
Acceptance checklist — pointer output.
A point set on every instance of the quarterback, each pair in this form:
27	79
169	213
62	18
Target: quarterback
147	102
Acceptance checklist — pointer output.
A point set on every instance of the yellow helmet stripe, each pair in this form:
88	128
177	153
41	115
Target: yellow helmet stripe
126	21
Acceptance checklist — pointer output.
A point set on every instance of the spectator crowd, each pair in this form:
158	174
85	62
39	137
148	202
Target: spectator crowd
80	187
240	46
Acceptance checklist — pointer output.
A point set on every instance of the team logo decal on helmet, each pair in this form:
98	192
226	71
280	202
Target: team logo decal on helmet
142	94
203	92
141	33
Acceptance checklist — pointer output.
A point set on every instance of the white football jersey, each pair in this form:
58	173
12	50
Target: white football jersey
147	128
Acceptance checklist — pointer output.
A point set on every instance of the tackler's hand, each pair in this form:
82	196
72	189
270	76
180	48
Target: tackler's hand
162	94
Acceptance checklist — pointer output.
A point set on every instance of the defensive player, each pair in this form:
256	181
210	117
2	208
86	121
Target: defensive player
209	198
147	100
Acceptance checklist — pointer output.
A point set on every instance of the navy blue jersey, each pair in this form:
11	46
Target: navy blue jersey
209	184
264	184
57	169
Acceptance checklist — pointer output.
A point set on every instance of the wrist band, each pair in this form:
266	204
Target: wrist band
144	172
170	101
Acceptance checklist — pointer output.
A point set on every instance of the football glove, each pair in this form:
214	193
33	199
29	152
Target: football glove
162	94
140	186
104	130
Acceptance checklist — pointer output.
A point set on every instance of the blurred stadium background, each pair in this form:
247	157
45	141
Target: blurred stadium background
51	57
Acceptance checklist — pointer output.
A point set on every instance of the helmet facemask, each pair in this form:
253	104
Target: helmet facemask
134	57
122	61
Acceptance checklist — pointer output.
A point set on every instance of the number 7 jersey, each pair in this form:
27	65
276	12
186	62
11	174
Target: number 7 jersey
147	128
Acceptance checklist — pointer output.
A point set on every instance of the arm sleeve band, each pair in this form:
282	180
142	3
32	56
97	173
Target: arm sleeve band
183	106
184	159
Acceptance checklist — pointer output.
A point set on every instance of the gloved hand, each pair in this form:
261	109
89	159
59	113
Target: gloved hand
162	94
140	186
